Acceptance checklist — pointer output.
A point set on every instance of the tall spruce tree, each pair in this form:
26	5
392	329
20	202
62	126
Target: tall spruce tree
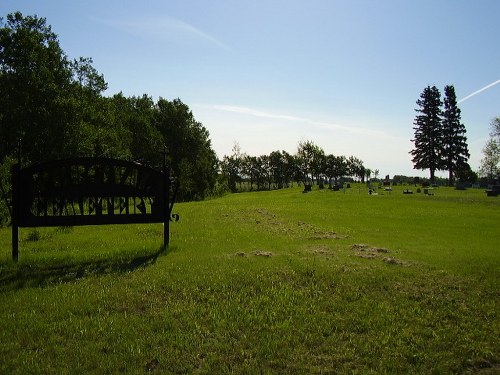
428	151
456	152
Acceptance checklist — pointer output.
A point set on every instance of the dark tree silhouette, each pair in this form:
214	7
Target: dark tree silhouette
456	152
428	151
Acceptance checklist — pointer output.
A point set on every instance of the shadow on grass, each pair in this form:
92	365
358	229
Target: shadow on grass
17	276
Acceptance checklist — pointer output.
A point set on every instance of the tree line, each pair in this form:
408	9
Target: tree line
52	107
280	169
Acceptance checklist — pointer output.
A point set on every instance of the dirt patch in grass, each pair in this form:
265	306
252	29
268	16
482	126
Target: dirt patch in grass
361	247
272	223
261	253
325	236
311	232
266	217
370	252
257	253
321	250
484	367
397	262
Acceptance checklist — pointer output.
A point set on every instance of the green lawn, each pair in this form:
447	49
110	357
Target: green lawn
268	282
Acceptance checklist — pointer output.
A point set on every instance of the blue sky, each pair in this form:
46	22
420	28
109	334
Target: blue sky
268	74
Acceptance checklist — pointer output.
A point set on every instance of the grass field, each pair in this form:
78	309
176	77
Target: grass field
268	282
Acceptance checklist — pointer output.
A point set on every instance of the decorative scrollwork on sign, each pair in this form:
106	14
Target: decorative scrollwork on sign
174	217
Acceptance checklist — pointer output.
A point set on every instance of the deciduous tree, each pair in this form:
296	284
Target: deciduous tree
189	147
495	129
35	78
490	164
311	160
53	105
356	168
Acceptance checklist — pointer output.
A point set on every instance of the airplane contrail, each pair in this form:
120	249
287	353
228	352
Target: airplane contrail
478	91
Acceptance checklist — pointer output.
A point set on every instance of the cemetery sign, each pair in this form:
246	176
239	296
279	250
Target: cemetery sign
90	191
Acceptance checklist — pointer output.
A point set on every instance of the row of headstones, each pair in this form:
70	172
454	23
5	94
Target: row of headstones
331	186
427	191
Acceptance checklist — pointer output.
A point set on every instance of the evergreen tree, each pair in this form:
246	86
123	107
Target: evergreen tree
428	151
456	152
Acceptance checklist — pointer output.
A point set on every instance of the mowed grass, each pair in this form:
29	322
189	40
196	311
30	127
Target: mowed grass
268	282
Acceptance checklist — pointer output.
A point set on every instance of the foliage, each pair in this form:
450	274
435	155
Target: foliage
495	128
5	191
455	147
336	167
428	151
311	160
189	148
274	282
35	79
466	174
490	163
356	168
281	172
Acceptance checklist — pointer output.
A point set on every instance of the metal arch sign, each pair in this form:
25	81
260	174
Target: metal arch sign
90	191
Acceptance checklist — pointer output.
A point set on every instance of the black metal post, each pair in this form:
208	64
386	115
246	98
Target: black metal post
166	226
15	211
166	201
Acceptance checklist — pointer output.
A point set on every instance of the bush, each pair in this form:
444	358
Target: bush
33	236
5	190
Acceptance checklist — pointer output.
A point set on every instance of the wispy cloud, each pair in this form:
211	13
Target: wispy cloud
165	28
256	113
479	91
298	119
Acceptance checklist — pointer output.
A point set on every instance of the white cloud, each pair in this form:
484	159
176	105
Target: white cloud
165	28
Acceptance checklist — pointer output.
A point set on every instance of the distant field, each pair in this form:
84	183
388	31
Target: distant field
267	282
